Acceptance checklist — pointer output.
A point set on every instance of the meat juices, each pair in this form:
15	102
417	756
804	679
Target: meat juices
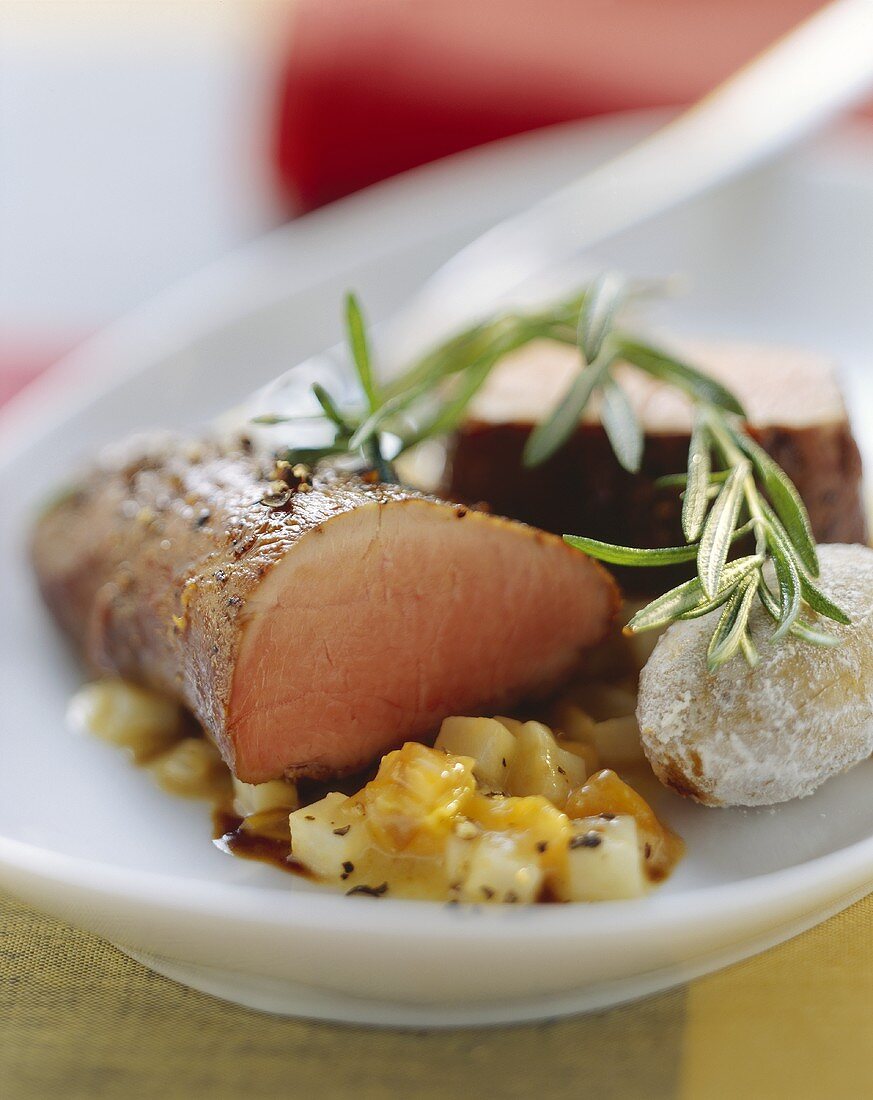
795	410
311	636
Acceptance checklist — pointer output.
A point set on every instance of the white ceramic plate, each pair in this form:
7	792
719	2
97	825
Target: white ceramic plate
85	836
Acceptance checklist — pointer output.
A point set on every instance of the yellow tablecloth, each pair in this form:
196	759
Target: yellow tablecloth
80	1020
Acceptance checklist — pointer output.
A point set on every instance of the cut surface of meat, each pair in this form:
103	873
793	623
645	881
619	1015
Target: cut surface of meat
795	410
310	637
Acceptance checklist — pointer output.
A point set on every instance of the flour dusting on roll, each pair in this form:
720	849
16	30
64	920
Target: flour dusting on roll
755	736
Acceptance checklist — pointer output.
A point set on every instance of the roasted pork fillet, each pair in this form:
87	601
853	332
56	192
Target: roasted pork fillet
311	629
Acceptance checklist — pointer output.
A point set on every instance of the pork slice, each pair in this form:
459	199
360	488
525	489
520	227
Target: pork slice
310	637
796	412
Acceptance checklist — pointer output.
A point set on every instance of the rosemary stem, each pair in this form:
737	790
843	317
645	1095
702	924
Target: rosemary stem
733	456
381	465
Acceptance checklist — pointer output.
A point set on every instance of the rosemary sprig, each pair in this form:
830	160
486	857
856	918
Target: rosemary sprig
751	494
351	428
431	398
732	488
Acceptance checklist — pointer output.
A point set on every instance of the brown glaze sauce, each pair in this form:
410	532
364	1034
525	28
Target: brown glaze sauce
269	841
273	845
230	836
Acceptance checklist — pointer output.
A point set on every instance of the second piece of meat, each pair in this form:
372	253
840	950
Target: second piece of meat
795	410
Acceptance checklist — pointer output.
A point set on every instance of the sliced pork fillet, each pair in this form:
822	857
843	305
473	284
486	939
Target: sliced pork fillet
795	410
312	632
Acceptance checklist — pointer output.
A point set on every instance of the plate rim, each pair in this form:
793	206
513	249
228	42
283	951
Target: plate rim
319	910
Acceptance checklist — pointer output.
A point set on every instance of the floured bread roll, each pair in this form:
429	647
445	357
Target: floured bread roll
752	737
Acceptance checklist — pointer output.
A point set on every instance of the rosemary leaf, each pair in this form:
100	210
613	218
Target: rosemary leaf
700	387
688	600
809	591
732	574
269	419
451	413
553	432
671	481
631	555
785	500
819	602
715	539
707	606
728	636
478	351
357	334
789	582
311	456
750	650
622	426
667	608
450	358
605	297
557	322
696	499
811	634
726	627
802	629
679	481
330	410
388	409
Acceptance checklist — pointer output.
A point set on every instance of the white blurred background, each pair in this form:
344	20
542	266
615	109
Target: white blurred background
133	150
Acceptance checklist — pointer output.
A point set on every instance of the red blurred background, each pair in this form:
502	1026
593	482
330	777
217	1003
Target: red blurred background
139	143
370	89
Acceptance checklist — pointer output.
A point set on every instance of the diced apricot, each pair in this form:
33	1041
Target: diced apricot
605	793
418	792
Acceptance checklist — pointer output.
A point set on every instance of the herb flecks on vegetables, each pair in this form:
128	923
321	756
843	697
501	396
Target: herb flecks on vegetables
732	488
